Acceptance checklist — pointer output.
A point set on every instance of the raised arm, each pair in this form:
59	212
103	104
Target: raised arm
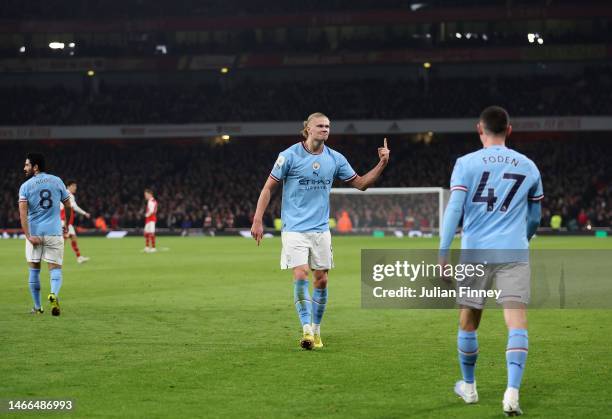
364	182
262	203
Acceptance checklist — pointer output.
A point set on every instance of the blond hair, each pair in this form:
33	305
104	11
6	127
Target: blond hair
310	118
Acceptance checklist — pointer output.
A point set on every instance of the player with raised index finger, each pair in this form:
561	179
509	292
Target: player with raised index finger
307	170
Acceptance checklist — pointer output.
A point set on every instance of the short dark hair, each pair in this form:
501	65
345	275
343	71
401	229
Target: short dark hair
37	159
495	120
71	182
150	191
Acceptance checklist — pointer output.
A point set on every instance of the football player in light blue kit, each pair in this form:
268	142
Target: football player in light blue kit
307	170
498	191
39	210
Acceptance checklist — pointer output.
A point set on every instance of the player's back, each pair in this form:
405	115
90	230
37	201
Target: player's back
499	182
44	193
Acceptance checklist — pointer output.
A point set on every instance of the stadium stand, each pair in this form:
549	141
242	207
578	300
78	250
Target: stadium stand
199	183
584	94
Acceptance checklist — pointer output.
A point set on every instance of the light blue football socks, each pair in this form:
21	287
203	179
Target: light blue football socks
467	346
302	300
34	282
319	301
56	281
516	356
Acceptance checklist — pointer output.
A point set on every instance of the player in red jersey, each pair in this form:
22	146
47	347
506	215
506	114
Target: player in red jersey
150	220
71	186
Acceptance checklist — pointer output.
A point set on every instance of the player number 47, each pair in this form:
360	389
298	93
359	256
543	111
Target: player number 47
490	199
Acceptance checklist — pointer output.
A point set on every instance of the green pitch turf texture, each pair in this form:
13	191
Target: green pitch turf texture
208	329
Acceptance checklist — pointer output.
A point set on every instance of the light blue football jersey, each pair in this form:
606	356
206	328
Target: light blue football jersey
499	182
307	181
43	193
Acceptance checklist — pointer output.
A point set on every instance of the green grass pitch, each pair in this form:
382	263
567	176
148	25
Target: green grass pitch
208	329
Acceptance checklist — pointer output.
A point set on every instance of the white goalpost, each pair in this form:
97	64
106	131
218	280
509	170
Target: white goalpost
400	210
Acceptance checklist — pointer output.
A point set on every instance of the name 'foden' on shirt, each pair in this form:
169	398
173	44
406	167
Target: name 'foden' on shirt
500	159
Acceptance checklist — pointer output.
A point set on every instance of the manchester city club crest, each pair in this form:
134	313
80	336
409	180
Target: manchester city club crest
280	161
316	166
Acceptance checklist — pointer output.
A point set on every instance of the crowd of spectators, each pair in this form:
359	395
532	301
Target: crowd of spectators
409	212
215	187
250	100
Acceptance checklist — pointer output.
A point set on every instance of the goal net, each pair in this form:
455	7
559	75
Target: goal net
400	211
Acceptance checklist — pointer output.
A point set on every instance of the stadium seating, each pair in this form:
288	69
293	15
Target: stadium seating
549	95
194	180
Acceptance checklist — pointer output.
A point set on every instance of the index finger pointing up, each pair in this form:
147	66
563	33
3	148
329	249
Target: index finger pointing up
385	143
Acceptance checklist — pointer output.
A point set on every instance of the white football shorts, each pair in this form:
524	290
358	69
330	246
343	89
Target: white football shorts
150	227
51	250
312	249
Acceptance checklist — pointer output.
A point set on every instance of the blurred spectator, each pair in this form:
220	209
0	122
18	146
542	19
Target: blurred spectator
344	223
100	224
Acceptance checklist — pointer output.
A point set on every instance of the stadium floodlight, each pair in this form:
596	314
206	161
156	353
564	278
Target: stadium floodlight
56	45
531	37
468	35
540	41
161	49
416	6
458	35
485	37
427	65
224	70
22	49
72	45
391	209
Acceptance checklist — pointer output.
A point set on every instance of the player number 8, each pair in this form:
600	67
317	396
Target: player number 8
45	199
